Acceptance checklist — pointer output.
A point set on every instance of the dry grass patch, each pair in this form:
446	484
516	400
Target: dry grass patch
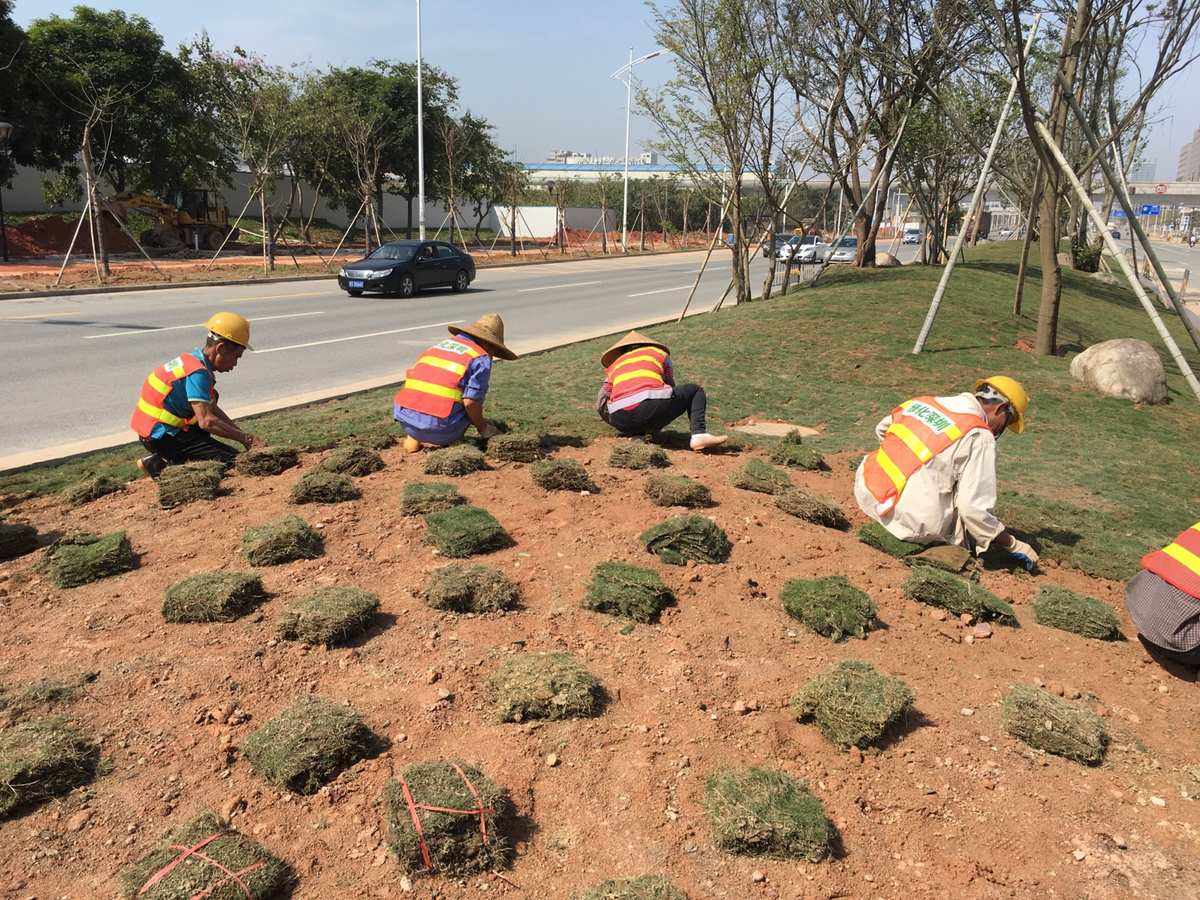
423	497
455	461
17	539
329	616
191	481
832	606
352	459
621	589
44	693
320	486
1060	608
1047	723
875	535
470	589
677	540
268	461
545	686
792	452
92	489
281	541
762	477
935	587
213	597
676	490
515	447
42	758
852	704
562	475
803	505
644	887
764	812
463	531
633	455
82	558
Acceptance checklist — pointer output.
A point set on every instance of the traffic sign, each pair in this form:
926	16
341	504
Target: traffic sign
1150	209
1118	213
1160	188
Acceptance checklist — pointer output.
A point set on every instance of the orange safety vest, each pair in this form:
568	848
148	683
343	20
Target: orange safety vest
639	369
1178	563
920	430
150	409
435	383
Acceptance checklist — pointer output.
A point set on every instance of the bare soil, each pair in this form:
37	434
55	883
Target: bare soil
950	807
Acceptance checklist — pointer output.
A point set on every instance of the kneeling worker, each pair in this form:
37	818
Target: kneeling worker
933	478
443	393
639	395
1164	602
177	414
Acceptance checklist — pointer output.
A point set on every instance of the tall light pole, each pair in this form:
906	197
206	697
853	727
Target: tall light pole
420	137
6	131
625	74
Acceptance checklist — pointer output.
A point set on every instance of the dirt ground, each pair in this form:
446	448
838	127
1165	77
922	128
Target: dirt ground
952	807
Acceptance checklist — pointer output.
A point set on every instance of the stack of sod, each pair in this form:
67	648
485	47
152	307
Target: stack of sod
830	606
1047	723
875	535
644	887
423	497
791	452
213	597
462	531
762	477
178	485
261	874
352	459
677	540
269	461
92	489
455	461
631	455
803	505
545	686
281	541
764	812
457	843
319	486
1057	607
562	475
308	744
515	447
82	558
475	589
956	595
42	758
328	616
676	490
16	539
620	589
852	704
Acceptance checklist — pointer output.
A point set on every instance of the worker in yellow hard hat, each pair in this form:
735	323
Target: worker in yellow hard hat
177	416
933	478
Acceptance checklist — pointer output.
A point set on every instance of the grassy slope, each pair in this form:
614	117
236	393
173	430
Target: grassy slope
1096	480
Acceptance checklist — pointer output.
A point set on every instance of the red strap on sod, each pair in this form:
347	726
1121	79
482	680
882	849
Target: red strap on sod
413	806
194	850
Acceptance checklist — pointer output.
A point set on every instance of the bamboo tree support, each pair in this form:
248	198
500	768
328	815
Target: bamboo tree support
346	233
892	247
711	245
540	248
93	226
74	238
229	234
136	242
1035	198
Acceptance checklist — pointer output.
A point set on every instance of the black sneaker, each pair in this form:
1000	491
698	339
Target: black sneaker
152	465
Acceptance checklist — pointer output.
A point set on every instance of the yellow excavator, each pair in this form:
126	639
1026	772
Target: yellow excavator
195	219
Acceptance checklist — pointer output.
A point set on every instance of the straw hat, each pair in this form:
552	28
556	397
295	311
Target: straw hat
631	340
489	331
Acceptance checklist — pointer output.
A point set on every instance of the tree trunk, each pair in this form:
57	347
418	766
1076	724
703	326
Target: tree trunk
1022	268
1047	328
642	220
94	223
512	227
408	226
769	281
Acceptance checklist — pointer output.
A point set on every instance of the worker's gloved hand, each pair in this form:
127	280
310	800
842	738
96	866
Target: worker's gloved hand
1023	554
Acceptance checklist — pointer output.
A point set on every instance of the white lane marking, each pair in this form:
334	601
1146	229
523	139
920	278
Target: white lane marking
355	337
92	337
682	287
53	315
552	287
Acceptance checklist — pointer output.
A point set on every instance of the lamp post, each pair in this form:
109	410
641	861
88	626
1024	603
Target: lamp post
420	137
6	131
625	74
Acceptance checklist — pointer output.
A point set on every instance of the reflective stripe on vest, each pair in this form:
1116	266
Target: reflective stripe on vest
636	370
150	409
434	384
1178	563
920	430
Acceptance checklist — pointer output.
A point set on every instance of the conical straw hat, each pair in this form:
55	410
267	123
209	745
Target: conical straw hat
633	339
489	331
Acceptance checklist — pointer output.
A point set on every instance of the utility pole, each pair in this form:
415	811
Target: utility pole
625	190
420	137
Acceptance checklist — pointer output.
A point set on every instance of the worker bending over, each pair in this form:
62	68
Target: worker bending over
1164	602
443	393
933	478
177	414
639	395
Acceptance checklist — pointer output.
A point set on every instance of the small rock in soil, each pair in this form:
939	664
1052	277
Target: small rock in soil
982	631
757	877
551	760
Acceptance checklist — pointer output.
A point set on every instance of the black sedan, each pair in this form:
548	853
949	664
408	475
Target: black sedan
402	268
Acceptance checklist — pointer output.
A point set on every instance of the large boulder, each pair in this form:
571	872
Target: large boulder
886	261
1125	368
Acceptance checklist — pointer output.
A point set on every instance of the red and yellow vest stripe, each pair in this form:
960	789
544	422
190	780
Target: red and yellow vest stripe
639	369
150	409
434	384
1178	563
921	429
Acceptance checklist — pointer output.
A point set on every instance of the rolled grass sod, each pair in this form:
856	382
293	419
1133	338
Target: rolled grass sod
515	447
463	843
632	455
765	812
268	461
562	475
455	461
545	686
213	597
42	758
178	485
1060	608
92	489
852	704
633	592
762	477
423	497
82	557
328	616
309	743
281	541
644	887
875	535
803	505
224	850
935	587
462	531
676	490
1047	723
684	538
795	454
832	606
320	486
352	459
475	589
17	539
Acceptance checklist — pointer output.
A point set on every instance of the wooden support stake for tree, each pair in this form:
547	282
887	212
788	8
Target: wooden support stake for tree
711	244
346	233
236	223
74	238
136	243
1035	198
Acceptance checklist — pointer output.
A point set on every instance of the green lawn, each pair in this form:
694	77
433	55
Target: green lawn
1095	480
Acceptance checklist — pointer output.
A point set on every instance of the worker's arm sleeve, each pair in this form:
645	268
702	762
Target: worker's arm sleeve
881	429
199	387
668	372
602	397
479	376
976	495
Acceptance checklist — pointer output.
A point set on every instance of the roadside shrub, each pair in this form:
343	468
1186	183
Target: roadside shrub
561	475
476	589
213	597
308	744
328	616
644	887
455	461
875	535
1047	723
830	606
852	704
281	541
92	489
515	447
178	485
82	557
423	497
762	477
634	455
545	686
463	531
42	758
16	539
1058	607
676	490
352	459
677	540
764	812
621	589
803	505
319	486
792	452
935	587
268	461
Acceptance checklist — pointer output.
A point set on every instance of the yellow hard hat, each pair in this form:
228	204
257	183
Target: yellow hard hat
1014	393
230	326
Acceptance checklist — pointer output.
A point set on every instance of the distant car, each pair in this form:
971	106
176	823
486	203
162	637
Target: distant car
845	250
1116	233
402	268
813	252
912	235
1005	233
795	244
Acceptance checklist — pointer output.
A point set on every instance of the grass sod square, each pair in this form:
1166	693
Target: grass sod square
830	606
308	744
795	454
803	505
643	887
44	693
423	497
281	541
1057	607
379	437
1045	722
462	531
635	455
455	461
621	589
762	477
92	489
545	686
352	459
676	490
677	540
875	535
852	704
935	587
320	486
263	874
81	558
562	475
475	589
42	758
17	539
765	812
328	616
515	448
213	597
454	841
178	485
268	461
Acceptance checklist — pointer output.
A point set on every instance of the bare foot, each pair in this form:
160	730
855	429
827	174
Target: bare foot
706	441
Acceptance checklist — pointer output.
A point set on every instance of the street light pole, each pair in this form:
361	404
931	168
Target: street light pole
420	137
625	73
